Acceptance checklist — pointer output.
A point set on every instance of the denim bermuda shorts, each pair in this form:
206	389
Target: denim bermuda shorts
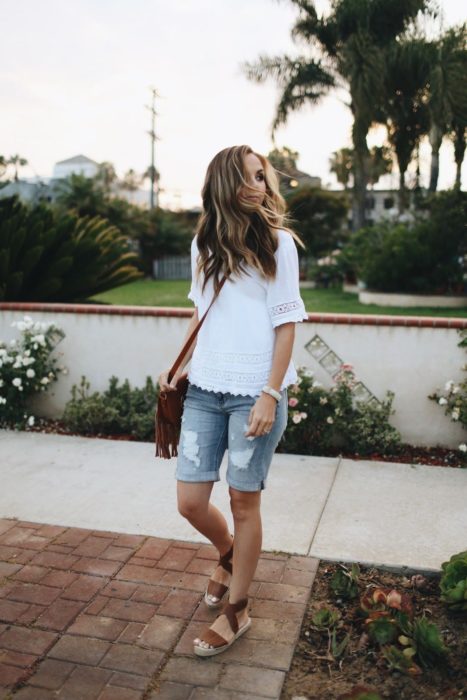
214	421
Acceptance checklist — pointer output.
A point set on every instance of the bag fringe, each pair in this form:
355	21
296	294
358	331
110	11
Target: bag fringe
167	436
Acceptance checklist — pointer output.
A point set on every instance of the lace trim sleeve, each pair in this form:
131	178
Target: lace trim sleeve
284	302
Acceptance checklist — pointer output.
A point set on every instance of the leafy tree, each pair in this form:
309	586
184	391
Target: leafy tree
284	159
318	216
345	48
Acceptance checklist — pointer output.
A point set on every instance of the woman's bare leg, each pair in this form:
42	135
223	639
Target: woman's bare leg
194	505
248	540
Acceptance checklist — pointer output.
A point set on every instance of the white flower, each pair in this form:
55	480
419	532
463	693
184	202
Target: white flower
45	380
303	414
463	447
308	373
323	400
2	400
31	420
64	371
330	419
455	390
296	418
38	339
337	411
442	401
455	414
448	386
317	385
16	381
30	373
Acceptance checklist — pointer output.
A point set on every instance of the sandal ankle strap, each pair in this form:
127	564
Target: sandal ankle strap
229	611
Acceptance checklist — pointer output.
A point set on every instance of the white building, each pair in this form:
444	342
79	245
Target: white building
79	165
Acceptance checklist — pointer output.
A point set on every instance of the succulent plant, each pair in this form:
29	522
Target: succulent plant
453	582
381	627
378	598
324	618
360	692
344	582
400	661
428	643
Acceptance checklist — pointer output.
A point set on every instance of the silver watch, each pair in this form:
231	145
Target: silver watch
272	392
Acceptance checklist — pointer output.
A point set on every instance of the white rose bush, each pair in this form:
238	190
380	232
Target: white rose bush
326	421
27	367
454	400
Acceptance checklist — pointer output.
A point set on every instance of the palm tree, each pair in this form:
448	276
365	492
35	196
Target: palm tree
403	108
347	52
341	164
447	91
459	128
17	162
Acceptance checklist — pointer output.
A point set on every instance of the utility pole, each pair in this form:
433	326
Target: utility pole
154	192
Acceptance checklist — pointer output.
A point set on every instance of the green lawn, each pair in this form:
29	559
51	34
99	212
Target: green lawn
173	293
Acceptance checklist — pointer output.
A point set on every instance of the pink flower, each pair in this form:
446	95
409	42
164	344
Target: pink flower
293	402
296	417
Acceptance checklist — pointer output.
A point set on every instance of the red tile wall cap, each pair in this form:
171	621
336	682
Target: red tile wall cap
186	312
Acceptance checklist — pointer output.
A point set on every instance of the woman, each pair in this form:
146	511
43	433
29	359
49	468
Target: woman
240	369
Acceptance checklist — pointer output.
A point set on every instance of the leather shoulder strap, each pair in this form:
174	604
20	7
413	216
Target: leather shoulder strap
193	335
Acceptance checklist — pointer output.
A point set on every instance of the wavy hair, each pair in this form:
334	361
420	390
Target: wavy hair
233	232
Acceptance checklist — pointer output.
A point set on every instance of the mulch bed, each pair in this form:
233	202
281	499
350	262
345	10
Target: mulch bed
315	675
409	454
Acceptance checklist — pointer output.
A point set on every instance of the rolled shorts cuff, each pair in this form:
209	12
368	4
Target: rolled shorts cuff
201	477
260	486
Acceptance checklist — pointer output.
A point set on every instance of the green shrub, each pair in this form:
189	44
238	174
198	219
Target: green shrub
120	410
453	582
27	368
426	257
324	421
46	257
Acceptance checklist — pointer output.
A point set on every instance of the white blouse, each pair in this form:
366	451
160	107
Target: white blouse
234	347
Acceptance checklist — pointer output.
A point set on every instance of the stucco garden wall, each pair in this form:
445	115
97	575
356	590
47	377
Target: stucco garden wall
411	356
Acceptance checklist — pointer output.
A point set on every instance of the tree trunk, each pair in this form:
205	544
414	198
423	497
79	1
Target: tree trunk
402	192
436	137
459	153
361	157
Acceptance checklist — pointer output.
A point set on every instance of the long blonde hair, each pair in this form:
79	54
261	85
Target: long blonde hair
233	232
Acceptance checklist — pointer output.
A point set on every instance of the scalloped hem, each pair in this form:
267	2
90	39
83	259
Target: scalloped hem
234	392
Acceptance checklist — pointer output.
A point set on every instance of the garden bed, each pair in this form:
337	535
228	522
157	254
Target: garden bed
409	454
316	675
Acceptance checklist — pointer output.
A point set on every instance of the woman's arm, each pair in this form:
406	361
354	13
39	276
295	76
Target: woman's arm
263	413
191	327
283	346
163	377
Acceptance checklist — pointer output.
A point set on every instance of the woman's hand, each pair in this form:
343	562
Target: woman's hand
262	416
163	380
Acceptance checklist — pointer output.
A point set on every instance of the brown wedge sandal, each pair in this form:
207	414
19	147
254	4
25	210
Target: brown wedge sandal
215	588
216	641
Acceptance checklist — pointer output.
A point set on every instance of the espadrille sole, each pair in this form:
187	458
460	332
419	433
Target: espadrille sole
204	651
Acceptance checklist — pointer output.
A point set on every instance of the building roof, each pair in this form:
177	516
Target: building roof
77	159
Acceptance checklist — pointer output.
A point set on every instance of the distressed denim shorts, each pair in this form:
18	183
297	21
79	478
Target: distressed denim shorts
214	421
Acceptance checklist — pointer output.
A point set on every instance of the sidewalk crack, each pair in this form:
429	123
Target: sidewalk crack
339	460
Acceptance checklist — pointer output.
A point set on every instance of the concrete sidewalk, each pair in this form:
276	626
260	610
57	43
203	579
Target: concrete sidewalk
380	513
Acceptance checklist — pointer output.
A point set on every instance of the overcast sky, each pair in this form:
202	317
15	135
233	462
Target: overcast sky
76	75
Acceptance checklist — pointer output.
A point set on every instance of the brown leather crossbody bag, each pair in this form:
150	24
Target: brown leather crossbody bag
169	410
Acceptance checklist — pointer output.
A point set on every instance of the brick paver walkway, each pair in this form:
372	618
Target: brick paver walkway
93	615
